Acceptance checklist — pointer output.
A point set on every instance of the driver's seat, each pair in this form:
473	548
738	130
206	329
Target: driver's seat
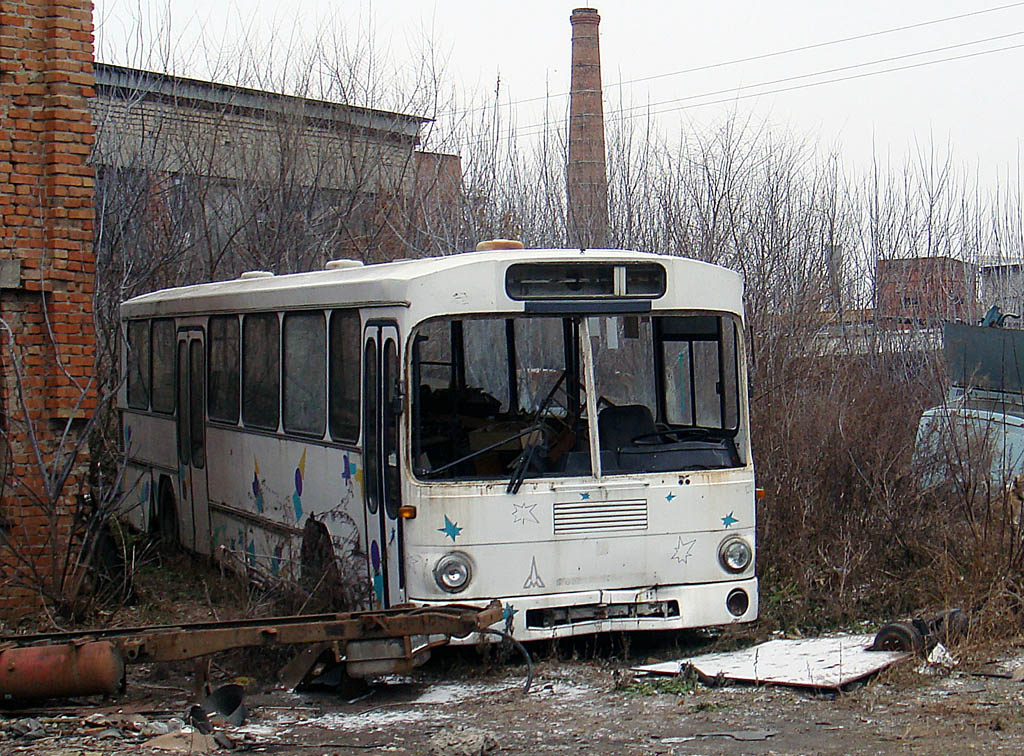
617	426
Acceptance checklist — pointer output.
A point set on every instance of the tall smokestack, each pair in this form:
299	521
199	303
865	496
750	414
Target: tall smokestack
587	181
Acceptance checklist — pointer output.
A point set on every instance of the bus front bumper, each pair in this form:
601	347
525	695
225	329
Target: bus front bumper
667	607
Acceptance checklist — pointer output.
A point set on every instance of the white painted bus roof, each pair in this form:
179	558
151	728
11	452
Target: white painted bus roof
474	281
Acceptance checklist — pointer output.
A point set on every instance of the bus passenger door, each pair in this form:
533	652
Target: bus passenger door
382	482
193	503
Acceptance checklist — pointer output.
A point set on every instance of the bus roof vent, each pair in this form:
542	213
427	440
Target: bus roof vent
491	244
250	274
343	264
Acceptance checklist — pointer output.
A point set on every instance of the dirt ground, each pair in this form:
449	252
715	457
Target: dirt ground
458	704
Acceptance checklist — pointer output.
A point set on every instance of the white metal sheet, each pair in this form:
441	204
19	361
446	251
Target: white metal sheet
812	662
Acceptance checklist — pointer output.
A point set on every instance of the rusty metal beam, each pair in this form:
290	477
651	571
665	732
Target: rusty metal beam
188	641
396	639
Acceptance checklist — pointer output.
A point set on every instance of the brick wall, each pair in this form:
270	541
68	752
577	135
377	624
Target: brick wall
46	279
925	291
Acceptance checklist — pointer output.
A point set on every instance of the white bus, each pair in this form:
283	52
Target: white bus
564	430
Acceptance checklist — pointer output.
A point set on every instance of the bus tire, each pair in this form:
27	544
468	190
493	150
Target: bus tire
165	526
899	636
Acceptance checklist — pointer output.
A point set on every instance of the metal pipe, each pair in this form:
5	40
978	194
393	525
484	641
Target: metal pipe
71	669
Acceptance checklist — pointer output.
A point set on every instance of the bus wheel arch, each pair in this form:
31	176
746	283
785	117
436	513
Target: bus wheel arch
322	576
165	524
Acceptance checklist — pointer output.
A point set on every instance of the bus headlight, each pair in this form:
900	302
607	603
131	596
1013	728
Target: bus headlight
735	554
453	572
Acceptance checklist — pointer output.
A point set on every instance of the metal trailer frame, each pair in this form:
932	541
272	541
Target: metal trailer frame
89	662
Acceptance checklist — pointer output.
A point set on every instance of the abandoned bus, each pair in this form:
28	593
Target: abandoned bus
564	430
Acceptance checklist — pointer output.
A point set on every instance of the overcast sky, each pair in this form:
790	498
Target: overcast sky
973	103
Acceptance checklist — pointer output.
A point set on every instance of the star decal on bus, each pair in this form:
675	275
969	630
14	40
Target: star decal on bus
670	497
584	496
523	512
729	520
683	550
450	529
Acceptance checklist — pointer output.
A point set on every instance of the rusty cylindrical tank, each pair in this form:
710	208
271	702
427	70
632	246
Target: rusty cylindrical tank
83	669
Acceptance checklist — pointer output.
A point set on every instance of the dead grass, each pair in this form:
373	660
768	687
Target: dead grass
175	587
847	532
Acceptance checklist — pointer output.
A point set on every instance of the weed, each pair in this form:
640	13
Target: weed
683	684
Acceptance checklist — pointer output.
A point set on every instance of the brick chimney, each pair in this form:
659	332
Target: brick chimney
47	273
587	180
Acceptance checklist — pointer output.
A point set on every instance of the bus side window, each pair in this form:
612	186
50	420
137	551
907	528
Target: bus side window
343	369
162	348
305	373
224	368
261	373
138	364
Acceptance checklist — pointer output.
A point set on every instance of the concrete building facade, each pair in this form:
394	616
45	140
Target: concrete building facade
238	166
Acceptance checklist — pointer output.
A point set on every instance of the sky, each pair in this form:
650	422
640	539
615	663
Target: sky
649	51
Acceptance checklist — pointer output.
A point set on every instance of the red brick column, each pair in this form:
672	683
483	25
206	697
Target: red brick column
587	179
47	275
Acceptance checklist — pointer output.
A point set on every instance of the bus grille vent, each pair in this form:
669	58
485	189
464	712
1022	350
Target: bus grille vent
600	516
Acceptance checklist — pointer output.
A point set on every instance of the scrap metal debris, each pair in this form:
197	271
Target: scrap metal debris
920	635
812	663
89	662
738	735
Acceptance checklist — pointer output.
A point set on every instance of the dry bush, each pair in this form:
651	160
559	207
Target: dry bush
856	525
843	518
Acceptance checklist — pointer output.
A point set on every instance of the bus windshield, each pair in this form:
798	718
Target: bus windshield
506	398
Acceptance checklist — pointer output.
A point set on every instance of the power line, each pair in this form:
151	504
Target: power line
822	72
547	128
817	45
864	75
763	56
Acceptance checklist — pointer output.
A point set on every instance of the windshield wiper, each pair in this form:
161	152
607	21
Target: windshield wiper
524	460
477	452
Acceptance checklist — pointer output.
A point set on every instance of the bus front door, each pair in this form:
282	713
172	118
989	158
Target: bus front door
193	503
382	483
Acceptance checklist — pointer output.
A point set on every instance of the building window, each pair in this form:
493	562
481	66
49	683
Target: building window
224	368
261	375
305	373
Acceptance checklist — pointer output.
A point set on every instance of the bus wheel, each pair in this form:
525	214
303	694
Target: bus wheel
166	525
